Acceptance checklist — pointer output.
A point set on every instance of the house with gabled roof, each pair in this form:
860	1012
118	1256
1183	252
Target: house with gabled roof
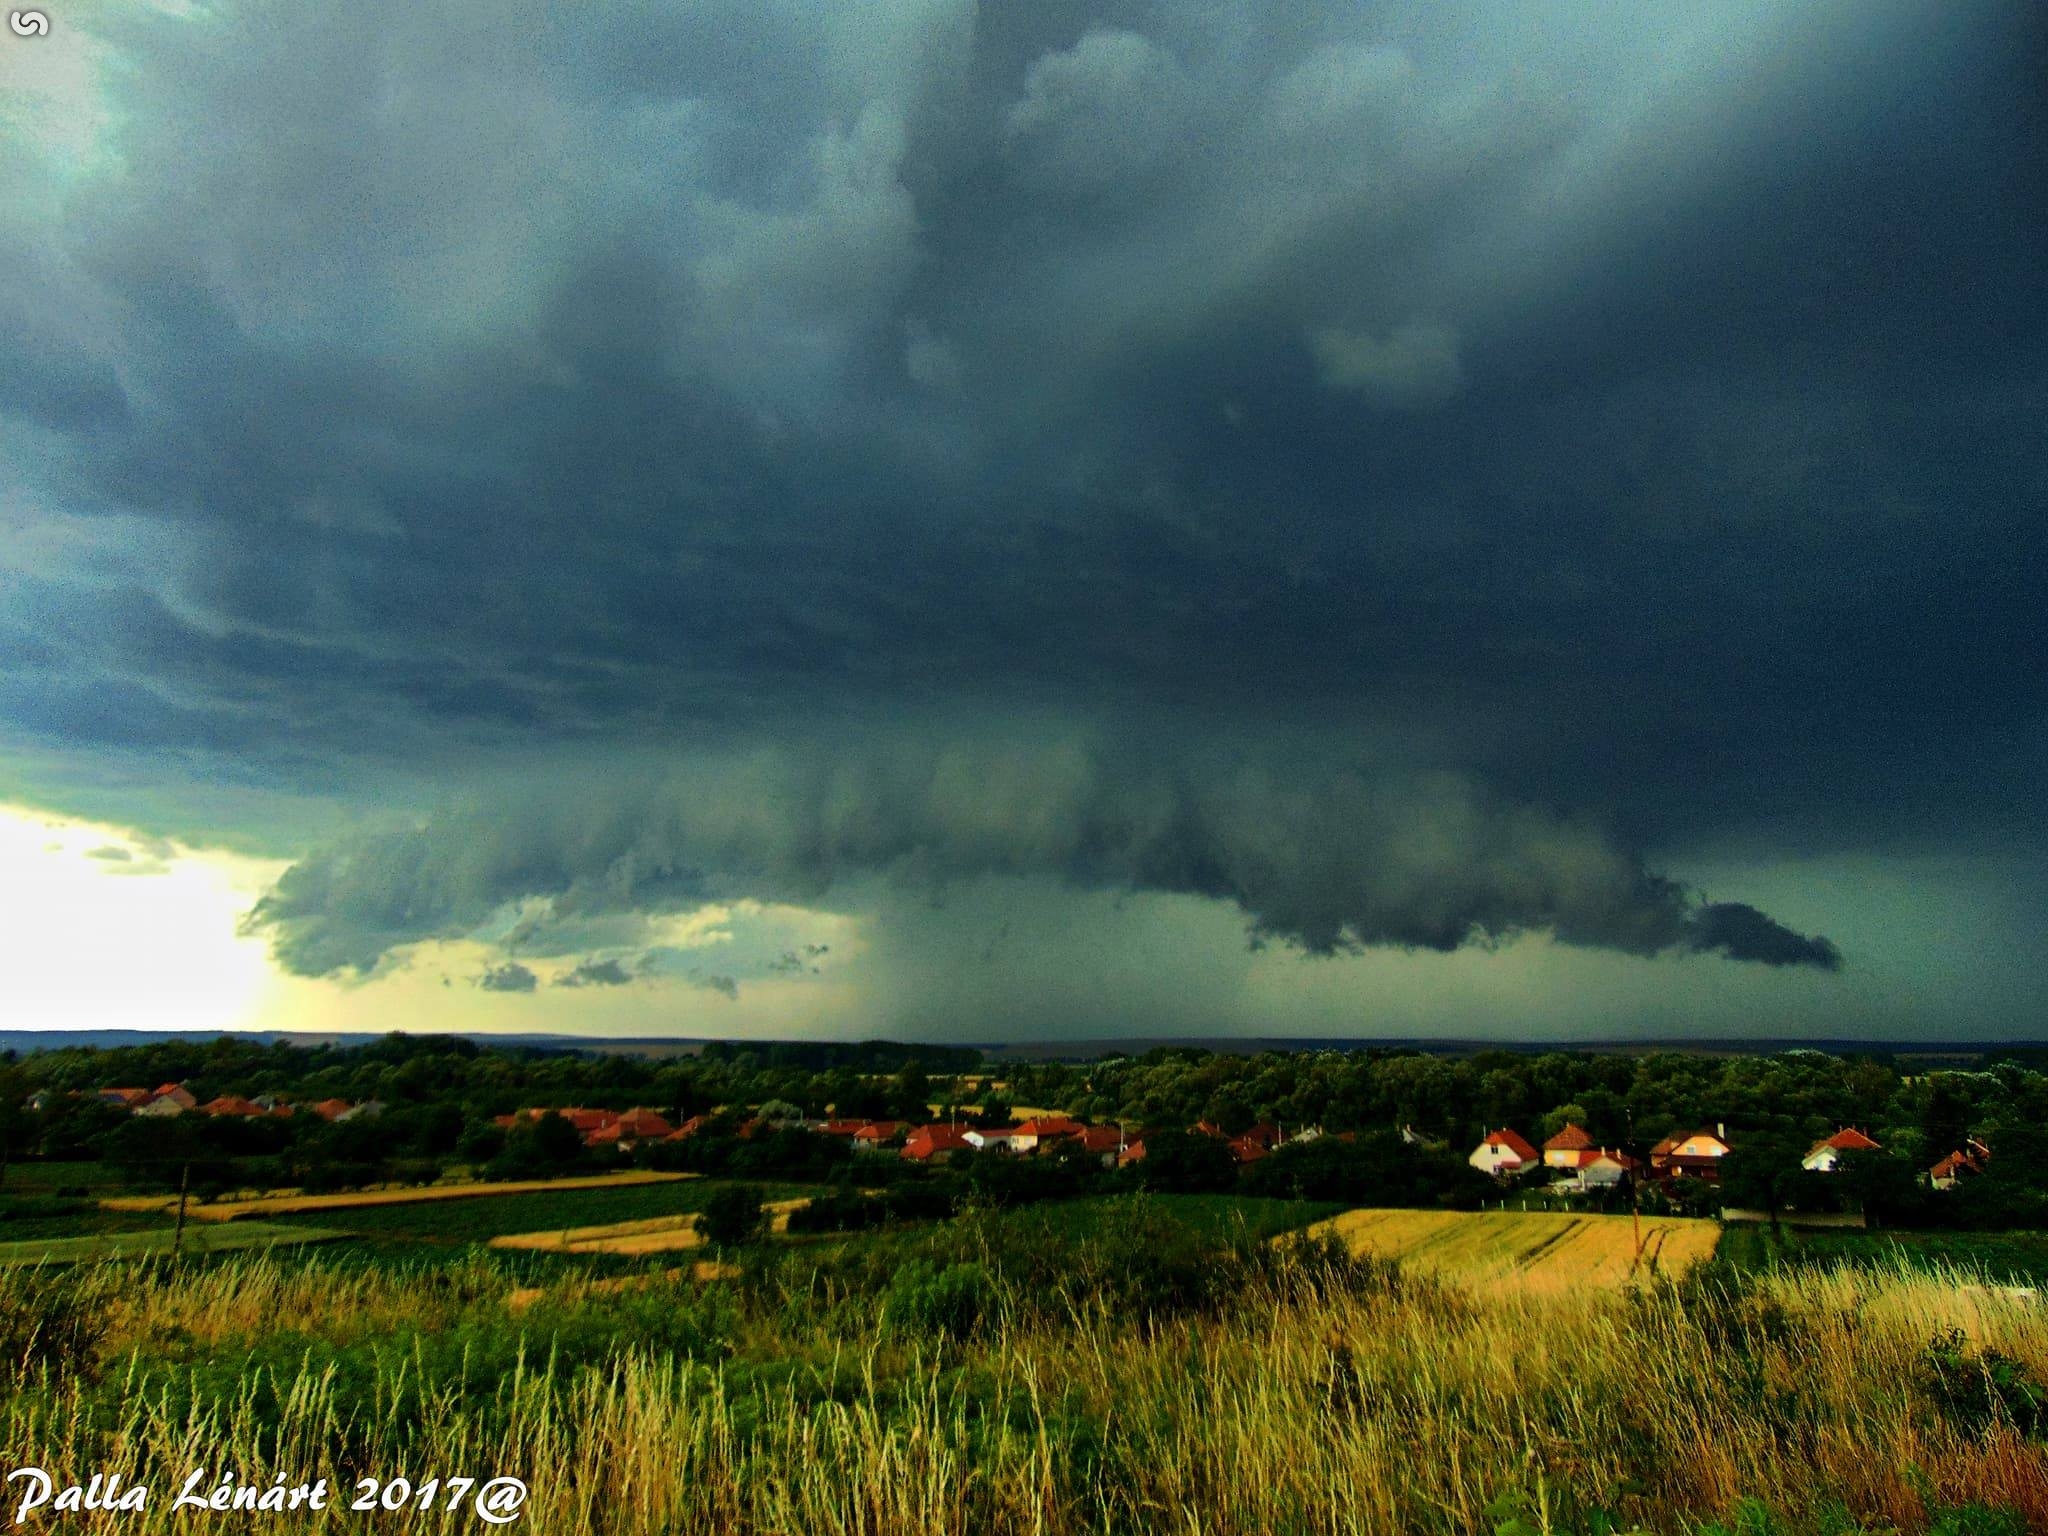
1596	1168
1965	1162
1826	1155
936	1144
1694	1154
877	1135
1563	1149
1503	1153
234	1107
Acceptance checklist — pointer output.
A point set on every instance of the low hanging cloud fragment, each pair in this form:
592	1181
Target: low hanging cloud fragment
597	973
509	977
1328	859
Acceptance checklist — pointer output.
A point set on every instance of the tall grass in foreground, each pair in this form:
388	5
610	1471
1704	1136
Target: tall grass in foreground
1320	1398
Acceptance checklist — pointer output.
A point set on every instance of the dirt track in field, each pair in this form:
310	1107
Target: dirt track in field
1537	1250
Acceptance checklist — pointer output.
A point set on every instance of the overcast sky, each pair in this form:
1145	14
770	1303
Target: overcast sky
1041	520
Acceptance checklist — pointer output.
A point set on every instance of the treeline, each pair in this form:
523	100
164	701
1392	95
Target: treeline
441	1095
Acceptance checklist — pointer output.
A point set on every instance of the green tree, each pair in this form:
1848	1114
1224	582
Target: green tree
732	1217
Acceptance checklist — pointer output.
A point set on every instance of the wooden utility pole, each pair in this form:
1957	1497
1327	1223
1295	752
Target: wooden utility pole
178	1236
1635	1194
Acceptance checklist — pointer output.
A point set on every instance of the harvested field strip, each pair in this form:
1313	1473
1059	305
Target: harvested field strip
300	1205
655	1234
1537	1250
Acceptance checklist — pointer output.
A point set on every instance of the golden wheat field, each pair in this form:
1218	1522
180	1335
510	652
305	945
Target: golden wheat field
1534	1250
294	1204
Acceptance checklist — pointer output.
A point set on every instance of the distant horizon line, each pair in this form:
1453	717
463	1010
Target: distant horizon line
35	1039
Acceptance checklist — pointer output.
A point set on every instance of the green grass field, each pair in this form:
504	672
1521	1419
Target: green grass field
25	1218
2003	1258
156	1242
477	1221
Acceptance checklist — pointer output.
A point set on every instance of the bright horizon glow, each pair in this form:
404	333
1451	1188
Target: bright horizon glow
101	929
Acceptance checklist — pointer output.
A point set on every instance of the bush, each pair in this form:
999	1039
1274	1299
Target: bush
1982	1388
732	1217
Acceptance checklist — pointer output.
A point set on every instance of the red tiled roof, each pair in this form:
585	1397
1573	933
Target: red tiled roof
1512	1141
231	1104
1958	1163
1848	1139
1572	1138
929	1141
334	1109
127	1096
643	1125
1050	1125
878	1130
1247	1149
1101	1138
838	1127
1133	1152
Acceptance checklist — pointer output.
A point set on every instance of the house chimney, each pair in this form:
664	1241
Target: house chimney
1721	1130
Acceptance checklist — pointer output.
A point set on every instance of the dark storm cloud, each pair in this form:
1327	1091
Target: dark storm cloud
1327	859
1634	414
1744	933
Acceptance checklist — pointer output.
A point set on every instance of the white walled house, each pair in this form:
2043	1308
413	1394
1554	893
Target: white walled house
1827	1155
1502	1153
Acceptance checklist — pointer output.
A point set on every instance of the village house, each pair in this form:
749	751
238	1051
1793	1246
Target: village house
1503	1153
877	1135
1103	1142
1597	1168
635	1125
1563	1149
1697	1154
1966	1162
1826	1156
1033	1134
936	1143
125	1098
233	1107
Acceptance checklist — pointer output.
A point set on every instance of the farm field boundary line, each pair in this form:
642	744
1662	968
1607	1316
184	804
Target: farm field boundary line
300	1205
157	1242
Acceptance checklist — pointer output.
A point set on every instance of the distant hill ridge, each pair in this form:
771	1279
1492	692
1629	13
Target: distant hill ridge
25	1041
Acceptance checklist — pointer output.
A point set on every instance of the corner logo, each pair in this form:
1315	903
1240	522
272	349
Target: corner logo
29	23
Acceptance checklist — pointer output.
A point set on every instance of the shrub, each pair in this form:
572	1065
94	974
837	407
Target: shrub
732	1217
1981	1388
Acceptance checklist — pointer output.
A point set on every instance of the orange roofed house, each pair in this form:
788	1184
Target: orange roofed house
1825	1156
936	1143
1966	1162
1563	1149
1503	1152
1696	1155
